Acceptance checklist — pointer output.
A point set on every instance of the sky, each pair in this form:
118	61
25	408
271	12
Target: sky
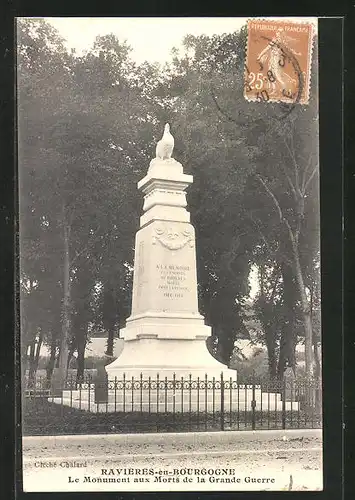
150	38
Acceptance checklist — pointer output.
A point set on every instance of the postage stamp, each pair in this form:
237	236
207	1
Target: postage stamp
278	61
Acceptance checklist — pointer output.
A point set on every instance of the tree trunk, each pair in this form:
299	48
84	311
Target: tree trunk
71	351
60	377
24	363
282	363
37	353
64	348
38	348
269	329
308	331
110	341
81	343
57	359
31	368
51	363
109	315
288	339
271	352
317	379
306	314
317	368
317	365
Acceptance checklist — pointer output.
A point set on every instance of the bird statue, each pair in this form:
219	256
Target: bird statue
165	146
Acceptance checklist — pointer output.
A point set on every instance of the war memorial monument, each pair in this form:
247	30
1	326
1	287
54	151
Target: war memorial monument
164	349
165	333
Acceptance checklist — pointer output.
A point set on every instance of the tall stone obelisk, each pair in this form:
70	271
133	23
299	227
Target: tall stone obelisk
165	333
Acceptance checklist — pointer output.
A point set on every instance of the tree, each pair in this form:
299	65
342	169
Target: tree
38	70
83	283
65	150
284	156
268	308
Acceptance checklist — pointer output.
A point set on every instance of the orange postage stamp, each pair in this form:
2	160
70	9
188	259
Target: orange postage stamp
278	61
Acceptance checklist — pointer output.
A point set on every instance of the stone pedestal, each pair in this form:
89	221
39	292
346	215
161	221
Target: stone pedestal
165	333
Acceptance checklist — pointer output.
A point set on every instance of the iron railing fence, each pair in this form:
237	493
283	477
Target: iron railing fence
178	404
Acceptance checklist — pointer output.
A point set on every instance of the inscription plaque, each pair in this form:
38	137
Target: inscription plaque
173	280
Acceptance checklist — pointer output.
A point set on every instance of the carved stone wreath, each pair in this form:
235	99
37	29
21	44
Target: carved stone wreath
171	238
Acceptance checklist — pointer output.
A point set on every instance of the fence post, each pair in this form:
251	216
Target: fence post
284	402
318	400
222	402
253	405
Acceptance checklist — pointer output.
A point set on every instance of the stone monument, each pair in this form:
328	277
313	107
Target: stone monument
165	365
165	334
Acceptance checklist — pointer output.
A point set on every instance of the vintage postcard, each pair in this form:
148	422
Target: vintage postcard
169	254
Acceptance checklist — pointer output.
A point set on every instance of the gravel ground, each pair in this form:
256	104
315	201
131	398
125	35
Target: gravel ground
264	460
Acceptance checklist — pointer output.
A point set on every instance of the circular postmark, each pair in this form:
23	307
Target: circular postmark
275	83
268	62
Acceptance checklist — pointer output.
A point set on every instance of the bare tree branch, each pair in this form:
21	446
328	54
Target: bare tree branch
291	151
294	192
305	171
263	237
272	196
278	208
310	178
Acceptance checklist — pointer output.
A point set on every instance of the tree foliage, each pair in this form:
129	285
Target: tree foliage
87	130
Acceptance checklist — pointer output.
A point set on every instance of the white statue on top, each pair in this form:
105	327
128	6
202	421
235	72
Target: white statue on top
165	146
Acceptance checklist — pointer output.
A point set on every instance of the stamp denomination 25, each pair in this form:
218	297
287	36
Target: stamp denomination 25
278	61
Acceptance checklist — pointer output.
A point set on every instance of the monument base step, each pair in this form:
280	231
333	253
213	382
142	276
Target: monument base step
137	398
242	396
168	359
169	407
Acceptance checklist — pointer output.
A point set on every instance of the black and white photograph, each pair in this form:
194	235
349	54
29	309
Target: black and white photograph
169	254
